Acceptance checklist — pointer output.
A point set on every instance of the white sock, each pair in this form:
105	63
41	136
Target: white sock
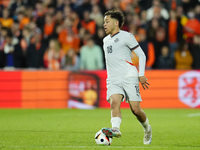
145	125
116	121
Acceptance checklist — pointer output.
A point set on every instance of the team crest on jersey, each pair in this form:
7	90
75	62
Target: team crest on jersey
189	88
116	40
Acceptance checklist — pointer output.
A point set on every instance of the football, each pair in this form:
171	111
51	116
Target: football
102	139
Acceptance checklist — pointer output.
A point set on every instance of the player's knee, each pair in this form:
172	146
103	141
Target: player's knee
115	102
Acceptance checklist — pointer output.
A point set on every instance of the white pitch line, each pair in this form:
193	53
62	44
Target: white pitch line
130	147
194	115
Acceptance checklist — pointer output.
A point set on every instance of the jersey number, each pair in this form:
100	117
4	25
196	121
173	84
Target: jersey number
109	49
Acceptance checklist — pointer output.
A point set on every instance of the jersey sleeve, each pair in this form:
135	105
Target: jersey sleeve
131	42
142	60
133	45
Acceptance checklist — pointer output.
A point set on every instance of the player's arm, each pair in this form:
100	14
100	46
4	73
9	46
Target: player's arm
142	61
133	45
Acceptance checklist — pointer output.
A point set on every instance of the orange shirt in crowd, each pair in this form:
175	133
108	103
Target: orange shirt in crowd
124	3
173	4
52	63
90	26
172	31
75	25
24	22
6	22
193	24
151	55
5	2
183	62
69	40
48	29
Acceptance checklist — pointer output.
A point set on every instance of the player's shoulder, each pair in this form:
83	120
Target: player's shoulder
106	38
125	33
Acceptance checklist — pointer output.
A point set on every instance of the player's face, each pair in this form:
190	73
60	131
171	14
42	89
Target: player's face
109	24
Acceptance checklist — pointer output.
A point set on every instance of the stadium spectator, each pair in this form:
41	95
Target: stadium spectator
165	61
98	38
22	19
132	28
58	18
16	31
2	43
31	14
189	4
68	37
136	21
191	27
87	23
1	9
48	28
171	4
6	20
143	19
50	10
84	36
26	38
4	32
116	5
197	12
157	35
96	15
107	5
47	3
67	11
85	6
131	6
53	55
147	47
35	51
128	22
13	51
15	5
71	61
39	14
195	50
91	56
60	5
33	26
180	15
175	32
76	20
156	7
183	57
129	9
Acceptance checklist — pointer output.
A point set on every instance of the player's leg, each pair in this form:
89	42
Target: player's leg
116	117
141	116
115	103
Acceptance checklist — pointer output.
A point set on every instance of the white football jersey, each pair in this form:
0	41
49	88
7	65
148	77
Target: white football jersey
118	49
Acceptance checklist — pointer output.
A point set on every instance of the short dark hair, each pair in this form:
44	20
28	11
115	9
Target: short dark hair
117	15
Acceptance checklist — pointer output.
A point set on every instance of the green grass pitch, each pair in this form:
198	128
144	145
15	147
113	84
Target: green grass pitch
60	129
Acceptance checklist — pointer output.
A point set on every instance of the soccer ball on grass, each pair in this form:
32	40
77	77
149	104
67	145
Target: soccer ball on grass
102	139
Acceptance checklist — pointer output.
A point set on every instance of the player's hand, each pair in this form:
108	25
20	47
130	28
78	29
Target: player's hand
143	81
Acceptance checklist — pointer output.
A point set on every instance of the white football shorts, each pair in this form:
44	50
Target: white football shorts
128	87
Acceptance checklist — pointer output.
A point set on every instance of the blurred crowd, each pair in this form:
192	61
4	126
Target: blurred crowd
68	34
